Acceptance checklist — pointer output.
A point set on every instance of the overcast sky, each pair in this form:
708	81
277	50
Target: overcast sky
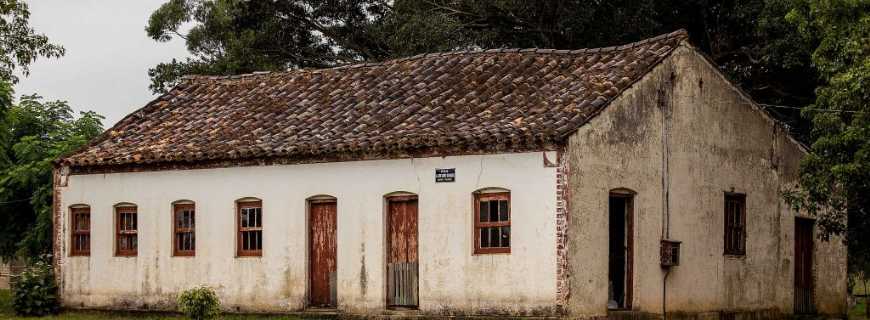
107	54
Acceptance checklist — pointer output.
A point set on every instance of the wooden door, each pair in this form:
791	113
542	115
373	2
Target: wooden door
402	251
803	267
322	251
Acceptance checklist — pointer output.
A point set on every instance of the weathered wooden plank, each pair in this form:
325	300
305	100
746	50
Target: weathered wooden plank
402	252
322	254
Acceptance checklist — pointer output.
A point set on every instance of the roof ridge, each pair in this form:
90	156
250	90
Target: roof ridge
428	108
680	33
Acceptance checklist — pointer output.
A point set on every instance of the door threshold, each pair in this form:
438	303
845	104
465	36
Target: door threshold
321	309
403	309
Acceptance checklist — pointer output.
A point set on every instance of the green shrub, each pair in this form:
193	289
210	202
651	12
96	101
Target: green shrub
199	303
34	292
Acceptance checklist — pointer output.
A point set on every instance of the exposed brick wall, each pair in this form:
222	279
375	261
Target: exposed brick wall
562	196
57	230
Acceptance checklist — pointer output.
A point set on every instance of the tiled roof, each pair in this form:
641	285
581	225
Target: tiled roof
513	99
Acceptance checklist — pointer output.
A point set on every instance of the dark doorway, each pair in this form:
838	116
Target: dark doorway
322	252
620	251
803	267
402	252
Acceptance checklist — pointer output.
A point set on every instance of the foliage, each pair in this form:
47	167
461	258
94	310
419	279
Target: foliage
20	45
34	133
25	151
7	313
749	40
859	311
199	303
835	176
34	292
235	36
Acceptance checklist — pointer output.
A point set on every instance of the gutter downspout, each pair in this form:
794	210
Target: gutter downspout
666	185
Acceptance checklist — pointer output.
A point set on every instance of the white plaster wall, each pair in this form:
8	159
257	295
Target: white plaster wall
719	143
716	142
621	148
452	279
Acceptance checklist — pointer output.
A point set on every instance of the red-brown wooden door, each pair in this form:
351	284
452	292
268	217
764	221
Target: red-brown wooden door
322	252
803	267
402	251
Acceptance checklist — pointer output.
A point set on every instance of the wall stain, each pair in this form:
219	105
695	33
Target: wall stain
289	283
363	275
146	281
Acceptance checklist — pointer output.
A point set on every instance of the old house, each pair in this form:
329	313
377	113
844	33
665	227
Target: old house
623	180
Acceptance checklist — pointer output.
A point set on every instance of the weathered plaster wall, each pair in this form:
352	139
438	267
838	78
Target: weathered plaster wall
620	148
719	143
452	279
685	121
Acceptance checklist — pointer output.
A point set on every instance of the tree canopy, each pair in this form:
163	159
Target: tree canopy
835	175
35	132
750	40
20	45
236	36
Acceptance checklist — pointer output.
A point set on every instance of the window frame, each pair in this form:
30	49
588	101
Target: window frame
125	209
479	196
75	211
178	207
734	229
240	205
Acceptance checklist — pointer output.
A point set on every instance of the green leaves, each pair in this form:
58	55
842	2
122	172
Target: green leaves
20	45
835	176
751	41
34	133
166	20
231	36
199	303
34	292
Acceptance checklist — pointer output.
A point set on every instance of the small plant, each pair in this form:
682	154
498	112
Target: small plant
34	292
199	303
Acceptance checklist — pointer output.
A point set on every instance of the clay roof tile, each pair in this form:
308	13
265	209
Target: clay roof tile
519	97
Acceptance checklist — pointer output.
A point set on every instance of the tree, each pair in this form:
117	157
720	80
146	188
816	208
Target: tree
36	132
20	45
26	148
835	175
749	40
236	36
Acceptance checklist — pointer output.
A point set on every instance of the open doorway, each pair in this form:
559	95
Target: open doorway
620	249
803	266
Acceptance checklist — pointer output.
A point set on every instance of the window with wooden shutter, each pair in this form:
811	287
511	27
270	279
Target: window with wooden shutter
735	224
250	228
126	231
81	231
492	222
184	229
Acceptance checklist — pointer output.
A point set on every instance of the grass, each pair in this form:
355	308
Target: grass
6	312
858	311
